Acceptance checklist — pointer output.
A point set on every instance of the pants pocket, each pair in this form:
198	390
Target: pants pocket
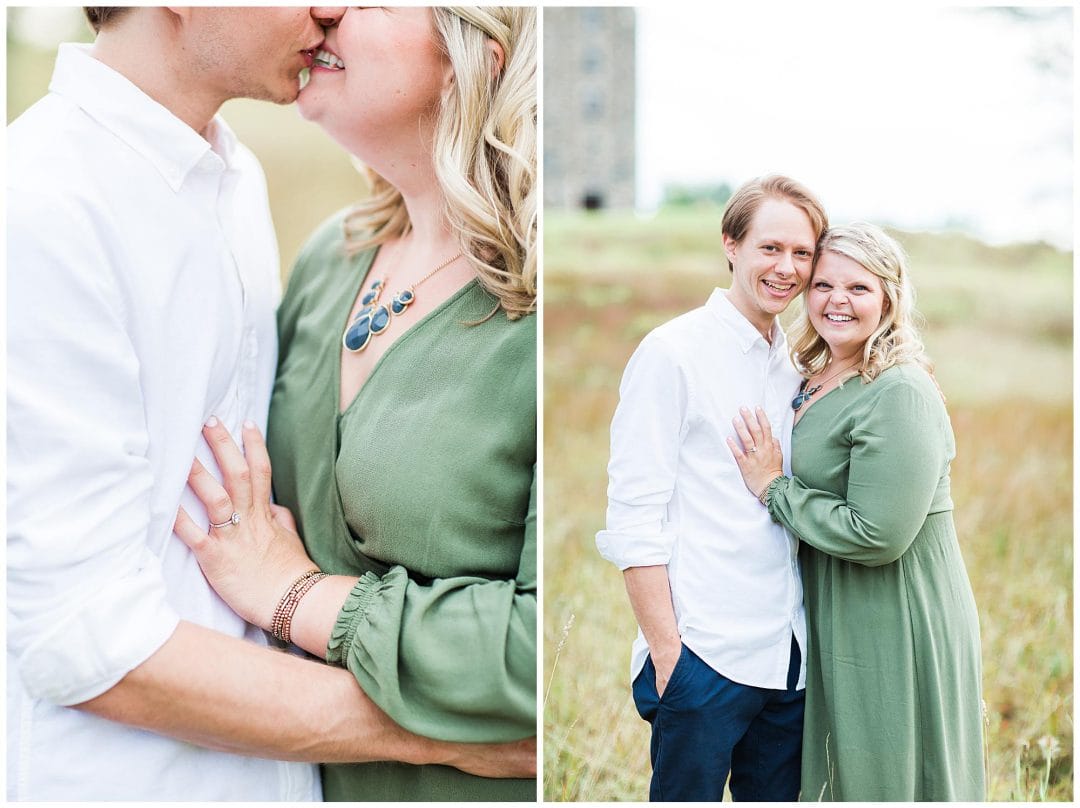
678	674
644	690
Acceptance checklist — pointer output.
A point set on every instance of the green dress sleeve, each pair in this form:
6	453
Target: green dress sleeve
452	659
326	240
898	457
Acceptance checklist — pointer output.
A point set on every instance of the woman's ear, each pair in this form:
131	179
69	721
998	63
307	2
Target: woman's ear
498	57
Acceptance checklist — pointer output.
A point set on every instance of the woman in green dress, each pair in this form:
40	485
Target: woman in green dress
403	420
893	688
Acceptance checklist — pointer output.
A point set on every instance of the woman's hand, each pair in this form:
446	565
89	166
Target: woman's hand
759	458
250	563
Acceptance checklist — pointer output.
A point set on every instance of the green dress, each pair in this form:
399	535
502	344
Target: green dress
893	687
426	488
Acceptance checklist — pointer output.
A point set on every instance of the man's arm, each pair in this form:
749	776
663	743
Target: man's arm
650	598
646	433
224	693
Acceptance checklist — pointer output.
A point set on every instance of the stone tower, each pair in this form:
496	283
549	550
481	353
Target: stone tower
589	99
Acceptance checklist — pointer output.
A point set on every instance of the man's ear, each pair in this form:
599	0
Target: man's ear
729	247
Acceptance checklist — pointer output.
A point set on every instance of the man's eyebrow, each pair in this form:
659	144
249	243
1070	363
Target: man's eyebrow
796	245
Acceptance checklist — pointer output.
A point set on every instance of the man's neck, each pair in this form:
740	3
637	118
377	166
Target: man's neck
762	322
140	50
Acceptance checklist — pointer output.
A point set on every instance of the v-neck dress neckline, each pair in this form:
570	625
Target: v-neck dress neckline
371	256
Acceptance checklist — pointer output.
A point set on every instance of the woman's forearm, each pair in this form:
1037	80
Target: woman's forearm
318	611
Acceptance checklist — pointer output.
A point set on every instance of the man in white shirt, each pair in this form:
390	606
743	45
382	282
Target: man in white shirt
142	282
713	582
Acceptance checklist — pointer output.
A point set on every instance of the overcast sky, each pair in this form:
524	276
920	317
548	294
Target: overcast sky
905	116
916	117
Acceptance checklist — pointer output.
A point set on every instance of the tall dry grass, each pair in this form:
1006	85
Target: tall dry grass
999	327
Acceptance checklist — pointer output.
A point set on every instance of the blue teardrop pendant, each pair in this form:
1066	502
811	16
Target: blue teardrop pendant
803	396
380	319
401	301
374	317
358	334
372	294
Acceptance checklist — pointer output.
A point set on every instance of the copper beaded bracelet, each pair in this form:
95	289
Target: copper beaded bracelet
281	623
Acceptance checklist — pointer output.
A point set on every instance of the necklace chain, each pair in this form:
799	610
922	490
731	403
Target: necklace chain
443	265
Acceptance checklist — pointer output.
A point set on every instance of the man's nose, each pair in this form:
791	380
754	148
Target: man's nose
327	16
786	265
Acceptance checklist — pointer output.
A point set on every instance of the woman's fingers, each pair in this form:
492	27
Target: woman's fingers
190	533
235	473
752	425
219	504
747	438
258	460
764	425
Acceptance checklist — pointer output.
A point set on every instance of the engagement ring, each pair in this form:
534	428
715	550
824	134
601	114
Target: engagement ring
232	520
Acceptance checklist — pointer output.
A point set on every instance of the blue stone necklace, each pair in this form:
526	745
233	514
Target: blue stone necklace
806	393
374	317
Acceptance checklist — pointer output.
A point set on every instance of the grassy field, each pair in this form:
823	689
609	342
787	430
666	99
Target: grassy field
999	326
308	176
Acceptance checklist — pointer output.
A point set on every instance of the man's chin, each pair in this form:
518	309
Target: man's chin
776	307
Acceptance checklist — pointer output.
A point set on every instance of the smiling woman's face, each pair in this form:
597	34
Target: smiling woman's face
375	88
845	303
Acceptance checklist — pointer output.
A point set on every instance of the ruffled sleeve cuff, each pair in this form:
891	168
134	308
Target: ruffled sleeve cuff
779	486
351	615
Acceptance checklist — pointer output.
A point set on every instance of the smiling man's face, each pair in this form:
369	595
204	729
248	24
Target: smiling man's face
771	263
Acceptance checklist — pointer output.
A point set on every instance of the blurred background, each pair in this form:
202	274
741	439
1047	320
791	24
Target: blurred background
953	128
308	175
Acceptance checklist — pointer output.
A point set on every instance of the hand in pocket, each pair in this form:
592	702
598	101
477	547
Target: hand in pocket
664	661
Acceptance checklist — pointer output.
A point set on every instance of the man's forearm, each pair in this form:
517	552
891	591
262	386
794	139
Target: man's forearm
227	694
650	598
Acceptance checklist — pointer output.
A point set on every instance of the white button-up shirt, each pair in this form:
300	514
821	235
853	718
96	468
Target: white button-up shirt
676	497
142	281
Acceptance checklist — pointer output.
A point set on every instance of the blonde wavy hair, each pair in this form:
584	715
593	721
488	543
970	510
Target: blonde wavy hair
896	340
484	152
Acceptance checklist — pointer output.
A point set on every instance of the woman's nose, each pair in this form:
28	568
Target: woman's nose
327	16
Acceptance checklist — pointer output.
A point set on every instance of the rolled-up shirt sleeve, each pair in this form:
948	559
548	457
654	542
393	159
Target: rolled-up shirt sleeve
86	597
649	425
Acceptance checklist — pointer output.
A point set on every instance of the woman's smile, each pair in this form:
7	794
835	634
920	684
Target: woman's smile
845	303
325	59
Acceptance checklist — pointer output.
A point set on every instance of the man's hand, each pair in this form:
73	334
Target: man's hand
501	760
664	660
650	598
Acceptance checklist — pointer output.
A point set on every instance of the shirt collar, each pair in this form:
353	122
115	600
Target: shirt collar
746	335
173	147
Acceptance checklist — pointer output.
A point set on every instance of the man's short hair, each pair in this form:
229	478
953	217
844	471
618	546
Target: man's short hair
745	202
99	17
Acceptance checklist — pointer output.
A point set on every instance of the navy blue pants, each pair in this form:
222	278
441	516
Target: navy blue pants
705	726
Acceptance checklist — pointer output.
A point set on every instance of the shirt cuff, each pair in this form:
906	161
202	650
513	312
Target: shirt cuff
99	641
625	549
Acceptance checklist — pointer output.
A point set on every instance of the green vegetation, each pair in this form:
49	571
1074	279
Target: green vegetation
999	326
